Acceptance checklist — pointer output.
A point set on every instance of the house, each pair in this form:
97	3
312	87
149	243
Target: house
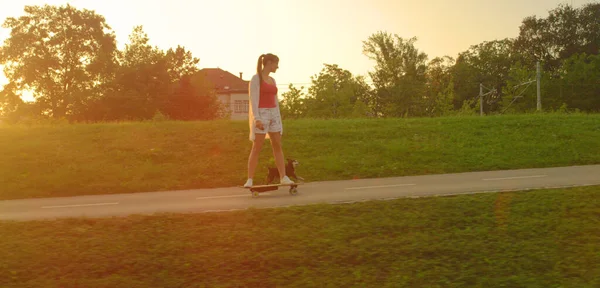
231	90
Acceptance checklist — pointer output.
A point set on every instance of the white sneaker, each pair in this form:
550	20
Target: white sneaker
286	180
248	183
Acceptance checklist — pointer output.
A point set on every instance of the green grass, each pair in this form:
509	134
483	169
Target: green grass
543	238
67	160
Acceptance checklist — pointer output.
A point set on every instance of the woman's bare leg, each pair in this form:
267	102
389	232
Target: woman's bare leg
278	152
254	154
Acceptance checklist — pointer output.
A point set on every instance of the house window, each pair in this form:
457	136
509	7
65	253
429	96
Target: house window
240	106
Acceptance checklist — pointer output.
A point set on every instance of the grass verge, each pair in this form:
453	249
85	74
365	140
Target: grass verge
69	160
542	238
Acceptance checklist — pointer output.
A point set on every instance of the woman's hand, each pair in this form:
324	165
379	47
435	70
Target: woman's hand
260	125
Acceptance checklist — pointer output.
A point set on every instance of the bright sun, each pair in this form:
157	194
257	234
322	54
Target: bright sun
27	96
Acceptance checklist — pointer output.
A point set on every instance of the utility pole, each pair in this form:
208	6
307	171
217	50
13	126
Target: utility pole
480	99
481	95
539	99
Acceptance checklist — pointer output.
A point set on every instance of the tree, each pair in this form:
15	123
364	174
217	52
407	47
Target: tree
140	85
334	92
189	101
143	80
400	74
148	82
580	87
59	53
9	100
440	88
488	63
292	104
139	51
558	42
565	32
181	63
590	28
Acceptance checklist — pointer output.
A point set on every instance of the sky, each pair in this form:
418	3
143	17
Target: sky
305	34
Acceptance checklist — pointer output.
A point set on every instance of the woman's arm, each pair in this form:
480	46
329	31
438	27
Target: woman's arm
276	95
254	96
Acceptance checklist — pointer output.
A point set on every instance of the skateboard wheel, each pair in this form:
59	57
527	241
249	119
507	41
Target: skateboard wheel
293	191
255	193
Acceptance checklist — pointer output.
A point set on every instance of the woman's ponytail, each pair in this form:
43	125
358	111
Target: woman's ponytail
259	66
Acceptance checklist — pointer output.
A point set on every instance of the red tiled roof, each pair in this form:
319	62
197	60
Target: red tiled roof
223	81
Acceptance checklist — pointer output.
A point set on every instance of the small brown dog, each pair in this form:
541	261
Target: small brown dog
290	171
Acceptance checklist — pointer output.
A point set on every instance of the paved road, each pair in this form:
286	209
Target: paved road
222	199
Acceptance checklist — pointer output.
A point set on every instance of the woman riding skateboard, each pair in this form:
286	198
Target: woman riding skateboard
265	117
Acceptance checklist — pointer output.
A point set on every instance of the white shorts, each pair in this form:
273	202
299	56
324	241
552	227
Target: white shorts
270	119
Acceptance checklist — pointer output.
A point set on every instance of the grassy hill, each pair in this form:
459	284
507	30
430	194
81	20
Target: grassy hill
67	160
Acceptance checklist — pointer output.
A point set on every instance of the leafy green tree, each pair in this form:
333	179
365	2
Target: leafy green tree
292	104
440	87
181	63
189	101
565	32
149	81
399	77
580	87
334	93
60	53
141	82
488	63
10	101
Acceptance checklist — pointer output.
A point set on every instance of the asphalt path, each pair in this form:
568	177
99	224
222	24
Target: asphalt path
346	191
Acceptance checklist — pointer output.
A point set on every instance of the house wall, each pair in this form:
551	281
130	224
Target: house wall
237	104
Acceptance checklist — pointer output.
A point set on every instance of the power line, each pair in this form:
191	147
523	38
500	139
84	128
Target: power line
372	82
288	84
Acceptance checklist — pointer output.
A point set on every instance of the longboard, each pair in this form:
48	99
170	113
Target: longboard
257	189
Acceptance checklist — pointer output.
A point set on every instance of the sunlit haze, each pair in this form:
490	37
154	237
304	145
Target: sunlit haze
305	34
